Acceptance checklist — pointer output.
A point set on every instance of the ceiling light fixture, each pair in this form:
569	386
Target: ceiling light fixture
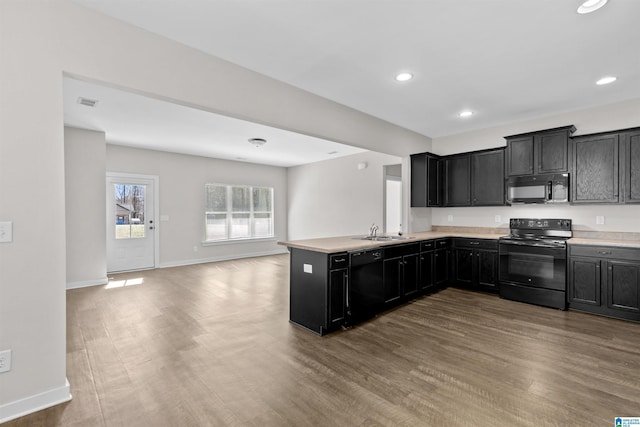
465	113
591	6
258	142
606	80
403	77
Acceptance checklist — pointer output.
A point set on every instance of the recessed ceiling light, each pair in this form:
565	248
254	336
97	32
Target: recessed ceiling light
465	113
591	6
606	80
403	77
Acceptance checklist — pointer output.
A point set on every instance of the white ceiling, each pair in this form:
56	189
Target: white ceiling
506	60
138	121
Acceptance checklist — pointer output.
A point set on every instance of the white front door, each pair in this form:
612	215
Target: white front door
131	222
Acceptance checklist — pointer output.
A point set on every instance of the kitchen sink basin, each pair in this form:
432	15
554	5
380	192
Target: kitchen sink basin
382	238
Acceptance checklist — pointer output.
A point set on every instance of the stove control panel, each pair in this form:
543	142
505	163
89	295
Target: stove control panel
540	224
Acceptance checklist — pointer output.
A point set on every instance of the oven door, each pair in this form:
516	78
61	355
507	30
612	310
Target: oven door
533	264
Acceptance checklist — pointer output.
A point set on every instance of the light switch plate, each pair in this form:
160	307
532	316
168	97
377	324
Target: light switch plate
6	231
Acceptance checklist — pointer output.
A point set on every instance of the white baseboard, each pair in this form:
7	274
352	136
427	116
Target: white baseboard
221	258
87	283
20	408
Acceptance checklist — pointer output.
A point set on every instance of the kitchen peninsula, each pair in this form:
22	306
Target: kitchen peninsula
340	281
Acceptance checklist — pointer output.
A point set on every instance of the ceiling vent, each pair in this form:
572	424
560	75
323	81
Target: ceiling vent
87	102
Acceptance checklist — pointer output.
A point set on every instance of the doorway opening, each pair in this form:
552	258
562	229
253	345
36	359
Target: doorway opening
392	191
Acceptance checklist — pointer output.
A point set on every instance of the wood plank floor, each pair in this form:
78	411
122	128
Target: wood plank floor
210	345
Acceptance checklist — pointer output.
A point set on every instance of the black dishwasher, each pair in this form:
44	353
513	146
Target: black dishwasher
366	293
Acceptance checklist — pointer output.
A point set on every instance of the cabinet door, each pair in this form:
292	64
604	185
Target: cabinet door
631	143
595	166
441	265
391	279
464	266
487	269
487	178
551	152
426	271
584	281
520	156
623	285
457	180
434	181
410	275
419	180
337	296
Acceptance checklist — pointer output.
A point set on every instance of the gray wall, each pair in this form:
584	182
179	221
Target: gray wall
334	197
182	179
84	160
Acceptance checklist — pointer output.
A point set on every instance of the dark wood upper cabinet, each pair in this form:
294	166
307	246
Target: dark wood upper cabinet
520	156
457	172
487	178
539	152
595	176
426	180
630	141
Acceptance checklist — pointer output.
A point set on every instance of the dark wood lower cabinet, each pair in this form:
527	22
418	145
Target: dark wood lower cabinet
476	263
605	280
401	273
337	309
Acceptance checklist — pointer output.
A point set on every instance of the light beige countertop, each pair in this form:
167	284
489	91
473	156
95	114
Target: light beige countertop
353	243
623	243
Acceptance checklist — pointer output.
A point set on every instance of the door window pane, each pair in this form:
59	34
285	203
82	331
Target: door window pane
129	211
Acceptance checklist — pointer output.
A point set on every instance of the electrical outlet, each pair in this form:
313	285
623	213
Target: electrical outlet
599	219
450	218
195	248
498	219
5	360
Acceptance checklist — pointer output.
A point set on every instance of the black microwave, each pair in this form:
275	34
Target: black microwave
552	188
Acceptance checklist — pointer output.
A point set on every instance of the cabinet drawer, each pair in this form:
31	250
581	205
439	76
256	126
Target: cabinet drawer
608	252
476	243
429	245
442	243
338	261
401	250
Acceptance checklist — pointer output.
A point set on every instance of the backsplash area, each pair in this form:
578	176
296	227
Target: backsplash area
589	219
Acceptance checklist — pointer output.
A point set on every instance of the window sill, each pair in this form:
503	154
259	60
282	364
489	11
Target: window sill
239	241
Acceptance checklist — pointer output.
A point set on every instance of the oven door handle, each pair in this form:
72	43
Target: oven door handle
537	245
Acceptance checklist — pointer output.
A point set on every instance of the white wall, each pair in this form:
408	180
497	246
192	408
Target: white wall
39	41
617	218
182	179
84	158
334	197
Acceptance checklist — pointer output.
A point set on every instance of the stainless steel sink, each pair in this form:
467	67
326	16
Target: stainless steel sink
382	238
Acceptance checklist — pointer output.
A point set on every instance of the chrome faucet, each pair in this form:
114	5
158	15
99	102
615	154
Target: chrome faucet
373	231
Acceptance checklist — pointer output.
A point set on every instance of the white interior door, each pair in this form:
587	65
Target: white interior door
131	222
